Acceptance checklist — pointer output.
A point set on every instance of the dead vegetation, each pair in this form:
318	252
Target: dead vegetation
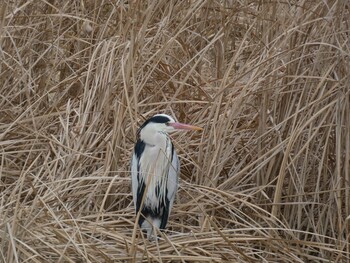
267	180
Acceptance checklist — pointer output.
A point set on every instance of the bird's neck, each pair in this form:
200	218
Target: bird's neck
154	138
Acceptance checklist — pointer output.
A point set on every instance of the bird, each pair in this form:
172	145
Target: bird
155	171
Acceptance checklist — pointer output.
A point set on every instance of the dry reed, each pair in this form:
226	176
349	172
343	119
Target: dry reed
267	180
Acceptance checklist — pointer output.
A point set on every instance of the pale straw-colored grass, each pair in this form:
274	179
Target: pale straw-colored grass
266	181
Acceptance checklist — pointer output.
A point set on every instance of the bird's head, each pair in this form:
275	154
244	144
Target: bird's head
162	123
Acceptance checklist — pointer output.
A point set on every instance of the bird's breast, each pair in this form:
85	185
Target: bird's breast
155	164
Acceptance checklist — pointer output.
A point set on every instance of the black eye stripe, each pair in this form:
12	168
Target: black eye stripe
155	119
159	119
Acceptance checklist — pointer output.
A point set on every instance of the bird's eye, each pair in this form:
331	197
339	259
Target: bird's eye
167	123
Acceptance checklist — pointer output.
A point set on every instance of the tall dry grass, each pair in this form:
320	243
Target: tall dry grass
267	180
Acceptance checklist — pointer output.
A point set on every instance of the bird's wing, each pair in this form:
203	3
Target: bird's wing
173	177
134	179
172	184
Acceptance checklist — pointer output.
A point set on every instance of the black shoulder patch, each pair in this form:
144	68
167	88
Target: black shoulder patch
139	148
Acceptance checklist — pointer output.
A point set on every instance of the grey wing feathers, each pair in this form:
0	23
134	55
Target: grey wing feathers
134	177
172	184
173	178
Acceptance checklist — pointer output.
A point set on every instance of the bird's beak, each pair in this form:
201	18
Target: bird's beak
182	126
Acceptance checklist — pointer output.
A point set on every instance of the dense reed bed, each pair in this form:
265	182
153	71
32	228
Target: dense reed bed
266	181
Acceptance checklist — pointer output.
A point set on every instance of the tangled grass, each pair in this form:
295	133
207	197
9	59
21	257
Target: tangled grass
266	181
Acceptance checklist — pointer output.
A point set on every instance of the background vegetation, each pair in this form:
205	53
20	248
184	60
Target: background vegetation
266	181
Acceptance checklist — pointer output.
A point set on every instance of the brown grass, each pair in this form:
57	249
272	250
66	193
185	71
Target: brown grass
267	180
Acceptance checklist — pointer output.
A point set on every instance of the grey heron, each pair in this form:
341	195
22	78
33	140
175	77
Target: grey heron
154	171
